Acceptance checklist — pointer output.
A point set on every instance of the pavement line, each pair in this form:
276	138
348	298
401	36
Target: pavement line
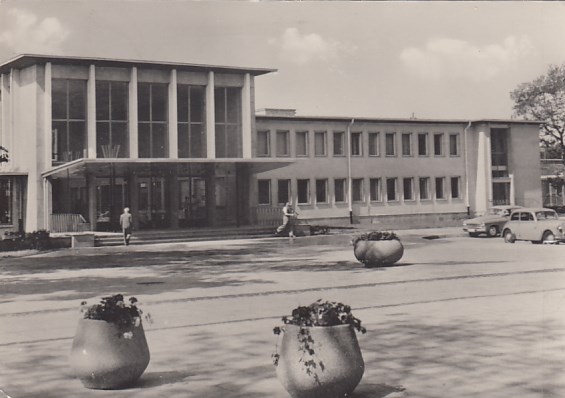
195	325
315	289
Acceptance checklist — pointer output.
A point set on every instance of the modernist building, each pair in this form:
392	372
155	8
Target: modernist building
181	145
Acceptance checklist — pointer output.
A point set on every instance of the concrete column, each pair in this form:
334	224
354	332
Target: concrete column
173	117
512	190
133	148
5	109
246	115
210	118
47	118
91	113
482	189
91	189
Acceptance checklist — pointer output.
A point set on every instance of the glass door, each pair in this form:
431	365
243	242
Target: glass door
152	202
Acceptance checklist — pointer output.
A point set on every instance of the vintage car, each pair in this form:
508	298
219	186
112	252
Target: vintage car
538	225
489	224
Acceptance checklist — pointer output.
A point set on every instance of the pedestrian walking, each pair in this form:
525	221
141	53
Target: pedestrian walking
289	215
126	222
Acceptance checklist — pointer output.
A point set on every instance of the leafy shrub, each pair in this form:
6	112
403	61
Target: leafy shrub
14	240
375	235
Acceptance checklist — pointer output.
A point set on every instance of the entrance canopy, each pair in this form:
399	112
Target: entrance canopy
101	167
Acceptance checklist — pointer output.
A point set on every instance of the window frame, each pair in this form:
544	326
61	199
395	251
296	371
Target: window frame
324	181
324	135
375	136
426	143
306	135
427	188
286	150
288	190
395	190
393	154
358	143
267	134
443	195
343	182
457	185
457	151
361	190
410	145
410	181
308	195
268	182
379	191
441	145
341	134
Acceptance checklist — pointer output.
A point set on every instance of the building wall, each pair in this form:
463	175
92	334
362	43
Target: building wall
330	167
525	164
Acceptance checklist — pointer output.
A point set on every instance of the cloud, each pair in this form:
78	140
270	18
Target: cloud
304	48
25	32
456	59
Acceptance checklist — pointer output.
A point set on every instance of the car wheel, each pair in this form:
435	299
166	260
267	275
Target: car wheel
492	231
548	236
509	237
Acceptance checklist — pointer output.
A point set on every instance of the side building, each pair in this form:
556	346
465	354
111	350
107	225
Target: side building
396	172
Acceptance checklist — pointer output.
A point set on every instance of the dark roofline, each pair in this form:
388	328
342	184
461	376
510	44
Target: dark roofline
344	119
25	60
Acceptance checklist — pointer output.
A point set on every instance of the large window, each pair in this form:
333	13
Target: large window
152	105
339	143
440	188
227	101
283	192
356	144
424	188
438	144
339	190
283	143
5	201
264	192
390	144
453	144
408	188
322	191
374	149
455	187
302	143
375	189
422	144
69	119
357	190
264	143
191	110
320	143
391	189
407	144
303	187
112	119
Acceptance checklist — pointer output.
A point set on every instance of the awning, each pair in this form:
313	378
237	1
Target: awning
101	167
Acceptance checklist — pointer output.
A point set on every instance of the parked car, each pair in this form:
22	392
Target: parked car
489	224
534	224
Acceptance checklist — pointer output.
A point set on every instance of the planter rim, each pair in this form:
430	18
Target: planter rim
343	325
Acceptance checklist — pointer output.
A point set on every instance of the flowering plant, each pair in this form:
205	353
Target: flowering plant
112	309
319	313
375	235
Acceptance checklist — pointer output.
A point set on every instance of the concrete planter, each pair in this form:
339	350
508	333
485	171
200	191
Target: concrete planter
374	253
102	358
336	347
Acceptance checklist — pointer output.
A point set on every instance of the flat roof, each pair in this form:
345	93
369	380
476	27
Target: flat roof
25	60
348	119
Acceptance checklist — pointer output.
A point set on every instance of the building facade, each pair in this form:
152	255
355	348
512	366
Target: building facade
181	145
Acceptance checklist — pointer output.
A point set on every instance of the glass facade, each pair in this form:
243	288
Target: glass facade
68	120
191	113
152	110
227	102
112	119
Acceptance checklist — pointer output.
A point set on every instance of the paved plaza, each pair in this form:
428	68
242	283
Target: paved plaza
456	317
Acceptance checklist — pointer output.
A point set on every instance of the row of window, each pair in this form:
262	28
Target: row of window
393	190
421	144
69	117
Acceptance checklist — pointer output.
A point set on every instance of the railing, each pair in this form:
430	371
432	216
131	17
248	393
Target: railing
266	215
64	222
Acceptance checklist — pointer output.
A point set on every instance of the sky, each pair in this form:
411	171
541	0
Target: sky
448	60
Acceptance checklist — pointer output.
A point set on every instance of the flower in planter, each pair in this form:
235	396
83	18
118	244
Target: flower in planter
377	248
319	313
114	310
109	350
